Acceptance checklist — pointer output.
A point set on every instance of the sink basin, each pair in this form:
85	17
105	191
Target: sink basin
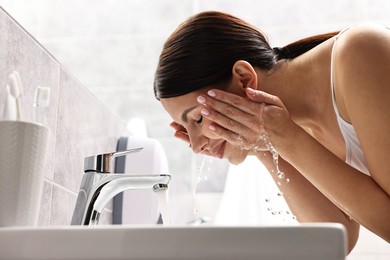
307	241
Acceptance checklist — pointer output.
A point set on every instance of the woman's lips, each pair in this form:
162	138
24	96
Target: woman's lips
220	150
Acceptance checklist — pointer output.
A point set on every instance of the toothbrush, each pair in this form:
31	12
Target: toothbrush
10	106
41	99
16	92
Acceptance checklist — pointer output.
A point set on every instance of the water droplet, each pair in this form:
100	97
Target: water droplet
274	213
267	200
280	193
275	156
287	180
195	211
269	209
279	183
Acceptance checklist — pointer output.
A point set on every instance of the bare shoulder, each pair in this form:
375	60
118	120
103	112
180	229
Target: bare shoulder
368	36
362	61
364	47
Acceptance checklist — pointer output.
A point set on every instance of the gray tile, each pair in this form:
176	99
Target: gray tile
85	127
45	211
20	52
62	207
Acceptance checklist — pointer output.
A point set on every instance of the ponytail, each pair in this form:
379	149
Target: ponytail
299	47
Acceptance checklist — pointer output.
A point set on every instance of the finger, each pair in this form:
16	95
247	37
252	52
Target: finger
233	100
229	114
173	124
182	136
231	137
227	122
180	132
178	127
263	97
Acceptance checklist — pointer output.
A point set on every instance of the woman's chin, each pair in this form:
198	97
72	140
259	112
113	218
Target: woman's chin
237	158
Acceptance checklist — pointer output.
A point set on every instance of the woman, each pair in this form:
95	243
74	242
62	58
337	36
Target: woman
322	103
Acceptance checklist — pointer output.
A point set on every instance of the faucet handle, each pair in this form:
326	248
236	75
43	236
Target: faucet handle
102	162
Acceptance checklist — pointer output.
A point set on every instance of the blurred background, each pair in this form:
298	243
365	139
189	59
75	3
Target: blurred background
112	48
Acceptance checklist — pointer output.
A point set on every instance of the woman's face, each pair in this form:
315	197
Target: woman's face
186	111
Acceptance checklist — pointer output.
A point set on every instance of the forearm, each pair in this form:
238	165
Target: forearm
355	193
306	202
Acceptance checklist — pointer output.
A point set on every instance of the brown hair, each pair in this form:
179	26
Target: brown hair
299	47
202	51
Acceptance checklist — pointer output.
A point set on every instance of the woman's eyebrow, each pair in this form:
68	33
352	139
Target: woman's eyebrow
184	115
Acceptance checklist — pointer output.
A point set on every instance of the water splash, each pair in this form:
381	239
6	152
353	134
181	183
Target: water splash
275	157
280	175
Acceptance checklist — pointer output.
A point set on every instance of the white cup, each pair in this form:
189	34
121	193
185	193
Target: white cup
22	159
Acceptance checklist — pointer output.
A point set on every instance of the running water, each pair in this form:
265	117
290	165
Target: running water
200	174
163	206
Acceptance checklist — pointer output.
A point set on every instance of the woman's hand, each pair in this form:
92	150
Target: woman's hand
181	132
246	121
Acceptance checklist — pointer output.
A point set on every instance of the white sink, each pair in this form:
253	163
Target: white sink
298	242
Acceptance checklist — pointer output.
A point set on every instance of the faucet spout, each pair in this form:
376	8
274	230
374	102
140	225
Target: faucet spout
97	189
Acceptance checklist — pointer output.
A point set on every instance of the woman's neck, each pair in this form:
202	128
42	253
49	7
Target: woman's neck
303	85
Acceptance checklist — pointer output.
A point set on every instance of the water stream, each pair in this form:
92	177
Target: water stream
163	206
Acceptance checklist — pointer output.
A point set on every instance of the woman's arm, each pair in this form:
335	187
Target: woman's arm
306	202
362	80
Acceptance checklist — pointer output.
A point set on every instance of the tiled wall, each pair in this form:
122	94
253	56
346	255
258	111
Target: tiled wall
79	124
112	47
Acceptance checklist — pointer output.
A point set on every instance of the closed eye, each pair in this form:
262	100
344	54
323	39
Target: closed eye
199	121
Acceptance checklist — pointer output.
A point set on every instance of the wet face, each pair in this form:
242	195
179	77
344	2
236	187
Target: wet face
186	111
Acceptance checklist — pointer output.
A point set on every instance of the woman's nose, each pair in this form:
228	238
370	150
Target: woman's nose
199	144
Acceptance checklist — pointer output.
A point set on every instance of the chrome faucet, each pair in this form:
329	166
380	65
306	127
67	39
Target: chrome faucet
99	185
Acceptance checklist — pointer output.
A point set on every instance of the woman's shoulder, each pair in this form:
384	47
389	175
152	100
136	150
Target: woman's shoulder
362	63
363	39
362	50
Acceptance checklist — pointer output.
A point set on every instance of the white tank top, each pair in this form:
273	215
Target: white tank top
354	152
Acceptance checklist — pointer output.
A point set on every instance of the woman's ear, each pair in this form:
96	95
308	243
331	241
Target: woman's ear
244	74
